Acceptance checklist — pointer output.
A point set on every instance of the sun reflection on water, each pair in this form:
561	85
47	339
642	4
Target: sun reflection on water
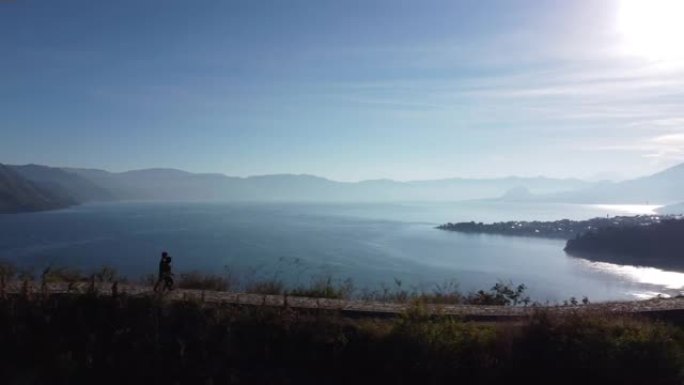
669	280
629	209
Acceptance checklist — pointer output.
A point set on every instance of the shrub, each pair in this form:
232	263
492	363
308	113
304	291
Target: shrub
606	348
500	294
272	286
445	293
141	339
63	274
198	280
106	274
7	271
325	288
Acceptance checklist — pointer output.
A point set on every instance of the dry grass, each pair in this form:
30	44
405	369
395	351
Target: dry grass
87	338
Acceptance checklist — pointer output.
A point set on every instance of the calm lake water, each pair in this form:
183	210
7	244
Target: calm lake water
373	244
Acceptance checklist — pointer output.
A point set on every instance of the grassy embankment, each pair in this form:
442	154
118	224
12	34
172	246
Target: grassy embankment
115	338
501	293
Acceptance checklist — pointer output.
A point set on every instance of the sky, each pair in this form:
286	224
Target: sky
348	90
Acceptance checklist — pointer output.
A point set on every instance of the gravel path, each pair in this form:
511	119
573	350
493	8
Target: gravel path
364	308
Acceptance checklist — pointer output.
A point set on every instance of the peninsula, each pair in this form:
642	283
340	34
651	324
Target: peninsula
561	229
658	244
644	240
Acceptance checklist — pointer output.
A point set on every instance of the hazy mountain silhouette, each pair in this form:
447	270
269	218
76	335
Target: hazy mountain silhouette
64	183
518	194
662	188
169	184
675	209
155	184
18	194
88	185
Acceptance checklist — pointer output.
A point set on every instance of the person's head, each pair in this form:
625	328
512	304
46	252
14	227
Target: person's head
165	254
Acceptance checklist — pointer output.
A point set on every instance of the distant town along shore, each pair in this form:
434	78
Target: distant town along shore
563	229
648	240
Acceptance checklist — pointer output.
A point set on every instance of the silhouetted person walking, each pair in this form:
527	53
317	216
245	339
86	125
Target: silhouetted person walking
165	275
168	275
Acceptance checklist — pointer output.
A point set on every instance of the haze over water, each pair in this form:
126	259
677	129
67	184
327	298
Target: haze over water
373	244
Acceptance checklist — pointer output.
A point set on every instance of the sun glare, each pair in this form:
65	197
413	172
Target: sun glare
653	28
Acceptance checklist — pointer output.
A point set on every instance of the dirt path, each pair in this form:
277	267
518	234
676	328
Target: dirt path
666	308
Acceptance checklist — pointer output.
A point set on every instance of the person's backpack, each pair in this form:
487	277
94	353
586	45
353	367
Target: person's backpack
166	267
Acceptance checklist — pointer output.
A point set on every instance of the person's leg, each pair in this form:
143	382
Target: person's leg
168	282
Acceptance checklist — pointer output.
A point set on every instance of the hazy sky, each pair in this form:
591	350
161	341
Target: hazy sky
345	89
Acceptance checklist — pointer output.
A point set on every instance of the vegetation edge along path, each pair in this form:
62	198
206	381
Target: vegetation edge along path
667	307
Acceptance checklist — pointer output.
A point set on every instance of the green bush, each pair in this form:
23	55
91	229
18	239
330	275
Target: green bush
501	294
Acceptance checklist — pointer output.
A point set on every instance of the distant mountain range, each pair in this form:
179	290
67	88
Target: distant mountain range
42	187
666	187
64	183
169	184
675	209
18	194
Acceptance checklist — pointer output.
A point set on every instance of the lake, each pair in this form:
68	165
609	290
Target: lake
373	244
